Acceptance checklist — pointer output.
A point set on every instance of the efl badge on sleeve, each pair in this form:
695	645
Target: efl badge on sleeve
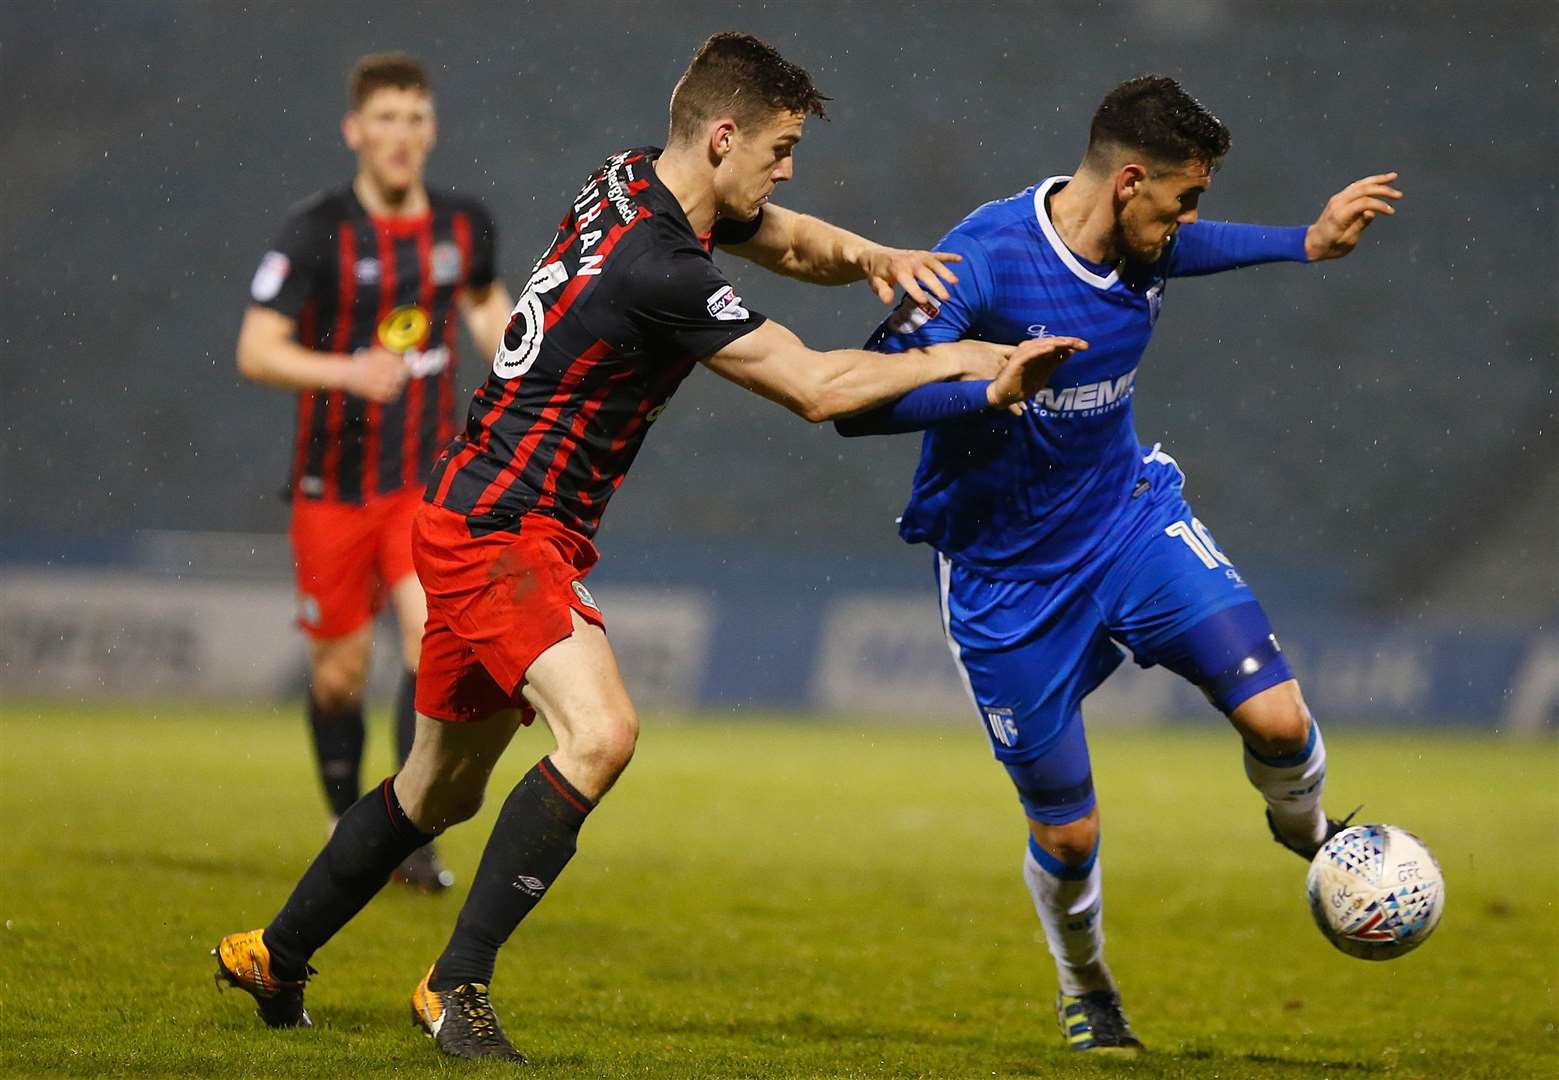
270	277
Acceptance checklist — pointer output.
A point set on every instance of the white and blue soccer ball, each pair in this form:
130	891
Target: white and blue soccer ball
1376	891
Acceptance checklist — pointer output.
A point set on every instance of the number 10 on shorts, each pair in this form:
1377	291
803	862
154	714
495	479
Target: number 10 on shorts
1200	541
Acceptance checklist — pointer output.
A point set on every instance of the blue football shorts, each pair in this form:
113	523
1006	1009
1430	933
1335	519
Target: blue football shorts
1030	652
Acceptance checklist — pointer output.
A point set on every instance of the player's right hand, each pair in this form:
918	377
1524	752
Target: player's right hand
375	373
1028	370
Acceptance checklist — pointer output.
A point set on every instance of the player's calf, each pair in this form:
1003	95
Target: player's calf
1285	760
534	838
1069	900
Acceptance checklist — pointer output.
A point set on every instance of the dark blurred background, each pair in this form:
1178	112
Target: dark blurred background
1373	436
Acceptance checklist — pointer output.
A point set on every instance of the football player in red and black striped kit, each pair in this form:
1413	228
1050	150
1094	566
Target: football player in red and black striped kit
620	308
355	308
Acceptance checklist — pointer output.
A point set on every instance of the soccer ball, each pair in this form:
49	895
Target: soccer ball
1375	891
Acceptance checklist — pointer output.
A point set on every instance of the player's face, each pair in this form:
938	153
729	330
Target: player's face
759	159
392	134
1160	203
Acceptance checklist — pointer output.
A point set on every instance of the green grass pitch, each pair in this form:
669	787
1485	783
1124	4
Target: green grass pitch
768	898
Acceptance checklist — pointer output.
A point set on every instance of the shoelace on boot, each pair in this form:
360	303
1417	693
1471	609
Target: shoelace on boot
478	1013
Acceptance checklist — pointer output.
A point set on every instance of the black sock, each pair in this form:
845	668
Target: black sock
338	748
370	841
531	844
405	716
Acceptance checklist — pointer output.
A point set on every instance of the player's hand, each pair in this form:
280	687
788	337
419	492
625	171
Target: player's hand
1028	370
919	273
375	373
1347	214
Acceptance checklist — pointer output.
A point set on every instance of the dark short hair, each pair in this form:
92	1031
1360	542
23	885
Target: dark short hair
1153	114
739	76
376	71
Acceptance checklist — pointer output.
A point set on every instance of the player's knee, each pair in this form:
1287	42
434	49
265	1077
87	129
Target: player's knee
411	651
1275	723
461	804
605	748
1072	843
338	684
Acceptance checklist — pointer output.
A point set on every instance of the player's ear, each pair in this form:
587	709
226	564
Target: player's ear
1128	181
722	137
352	130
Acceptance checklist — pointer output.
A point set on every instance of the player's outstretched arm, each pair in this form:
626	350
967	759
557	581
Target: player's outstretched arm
810	249
1210	247
1025	373
773	362
1348	213
486	313
268	353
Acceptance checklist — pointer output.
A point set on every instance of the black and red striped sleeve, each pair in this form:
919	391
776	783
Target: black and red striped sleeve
295	268
678	299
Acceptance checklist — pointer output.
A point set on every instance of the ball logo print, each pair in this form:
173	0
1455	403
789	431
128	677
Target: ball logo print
403	329
1375	891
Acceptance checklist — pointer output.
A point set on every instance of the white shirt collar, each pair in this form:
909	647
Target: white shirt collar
1063	252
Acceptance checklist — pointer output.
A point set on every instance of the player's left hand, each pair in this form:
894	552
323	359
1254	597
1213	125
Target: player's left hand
919	273
1347	214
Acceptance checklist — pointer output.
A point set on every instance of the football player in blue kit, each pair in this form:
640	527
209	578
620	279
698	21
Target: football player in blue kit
1059	538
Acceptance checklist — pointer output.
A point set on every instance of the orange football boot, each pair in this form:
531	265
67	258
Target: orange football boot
462	1021
244	961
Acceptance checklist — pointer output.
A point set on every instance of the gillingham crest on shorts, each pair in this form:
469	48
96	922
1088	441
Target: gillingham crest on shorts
1003	727
584	596
1375	891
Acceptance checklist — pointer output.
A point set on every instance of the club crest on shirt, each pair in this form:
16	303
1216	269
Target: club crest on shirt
1155	301
445	263
270	277
367	271
724	304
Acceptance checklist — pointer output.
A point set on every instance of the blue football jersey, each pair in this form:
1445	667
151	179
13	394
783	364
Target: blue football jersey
1031	496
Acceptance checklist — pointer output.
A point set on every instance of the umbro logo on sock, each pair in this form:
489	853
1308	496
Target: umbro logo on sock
530	886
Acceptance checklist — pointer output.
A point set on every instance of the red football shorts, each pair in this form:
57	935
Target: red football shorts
346	555
495	603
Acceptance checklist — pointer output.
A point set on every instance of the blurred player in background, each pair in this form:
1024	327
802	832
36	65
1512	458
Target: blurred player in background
354	308
1058	536
622	305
